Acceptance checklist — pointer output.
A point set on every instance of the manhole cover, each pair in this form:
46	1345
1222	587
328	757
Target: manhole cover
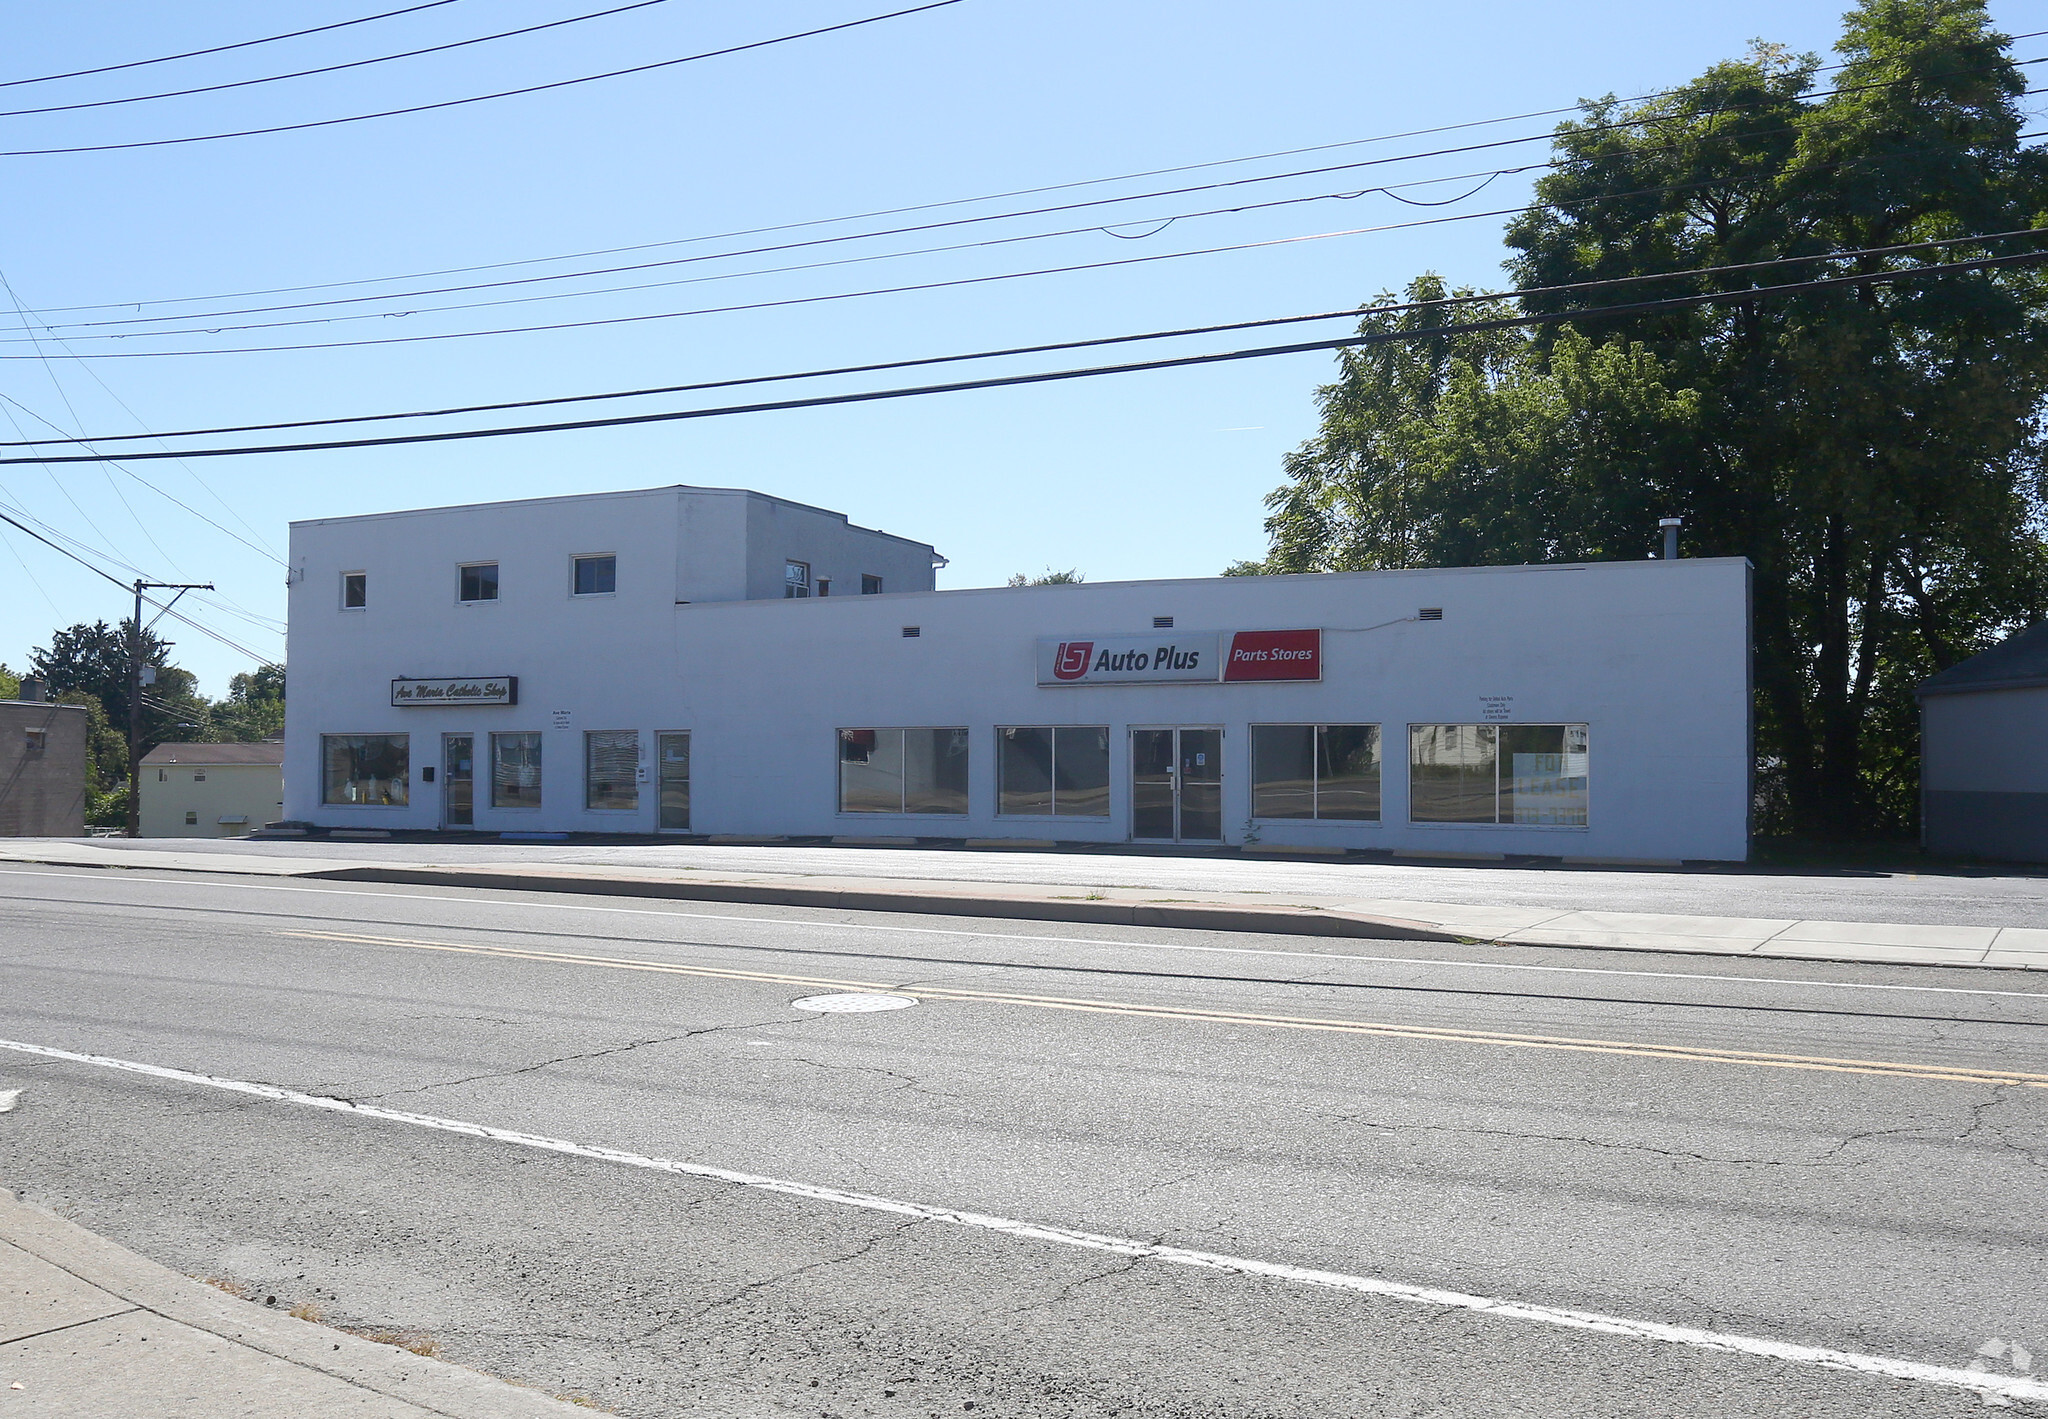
852	1004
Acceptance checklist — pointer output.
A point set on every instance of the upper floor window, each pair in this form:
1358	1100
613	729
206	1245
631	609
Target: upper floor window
36	740
479	582
596	576
796	579
870	585
355	590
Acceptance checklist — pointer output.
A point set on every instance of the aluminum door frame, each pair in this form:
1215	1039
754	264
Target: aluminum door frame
1131	732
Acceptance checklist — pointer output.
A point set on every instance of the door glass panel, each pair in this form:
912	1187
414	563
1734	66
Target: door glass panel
458	780
1201	785
675	781
1152	783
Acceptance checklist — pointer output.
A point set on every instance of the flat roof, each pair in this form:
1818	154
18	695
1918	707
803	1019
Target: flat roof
556	498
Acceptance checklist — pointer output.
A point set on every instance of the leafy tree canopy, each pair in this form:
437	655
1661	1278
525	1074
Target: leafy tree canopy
1875	451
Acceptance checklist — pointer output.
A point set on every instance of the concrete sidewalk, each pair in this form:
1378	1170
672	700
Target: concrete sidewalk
1286	912
90	1330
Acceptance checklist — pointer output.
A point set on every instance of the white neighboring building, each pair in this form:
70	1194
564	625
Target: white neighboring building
1567	711
211	790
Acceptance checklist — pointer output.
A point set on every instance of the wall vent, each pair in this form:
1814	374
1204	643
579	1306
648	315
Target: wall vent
911	633
1162	623
1430	613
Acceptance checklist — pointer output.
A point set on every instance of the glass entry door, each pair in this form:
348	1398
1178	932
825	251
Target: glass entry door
458	781
1177	785
674	755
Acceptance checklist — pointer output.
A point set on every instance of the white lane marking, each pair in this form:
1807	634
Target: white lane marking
8	1099
1992	1387
96	874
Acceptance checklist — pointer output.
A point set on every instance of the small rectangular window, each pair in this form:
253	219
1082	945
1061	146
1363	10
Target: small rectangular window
1324	771
903	771
1053	772
796	580
162	776
34	743
1531	775
479	582
611	765
199	776
191	819
515	770
355	590
365	769
870	585
596	576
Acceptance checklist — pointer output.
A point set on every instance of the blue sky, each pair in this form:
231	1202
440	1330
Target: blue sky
1149	475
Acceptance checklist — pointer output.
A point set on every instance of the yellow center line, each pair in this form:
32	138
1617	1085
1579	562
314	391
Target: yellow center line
1443	1033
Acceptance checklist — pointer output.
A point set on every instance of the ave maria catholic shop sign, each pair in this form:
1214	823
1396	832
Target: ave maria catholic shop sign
457	690
1167	657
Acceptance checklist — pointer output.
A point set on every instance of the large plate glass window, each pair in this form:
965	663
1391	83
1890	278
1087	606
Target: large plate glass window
515	770
595	576
477	582
611	766
1053	771
674	752
903	771
372	770
1323	771
1530	775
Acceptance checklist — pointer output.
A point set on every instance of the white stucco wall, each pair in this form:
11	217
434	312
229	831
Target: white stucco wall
1652	656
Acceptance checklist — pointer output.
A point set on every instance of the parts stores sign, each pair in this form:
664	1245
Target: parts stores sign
1195	657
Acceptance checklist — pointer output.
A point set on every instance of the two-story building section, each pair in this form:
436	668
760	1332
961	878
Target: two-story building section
689	660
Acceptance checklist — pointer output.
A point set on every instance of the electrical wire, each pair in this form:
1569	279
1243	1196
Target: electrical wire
809	300
224	48
1175	362
86	327
927	206
477	98
1351	312
331	68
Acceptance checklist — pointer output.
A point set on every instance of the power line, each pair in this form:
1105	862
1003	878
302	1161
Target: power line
991	197
331	68
792	301
224	48
1352	312
1175	362
478	98
881	256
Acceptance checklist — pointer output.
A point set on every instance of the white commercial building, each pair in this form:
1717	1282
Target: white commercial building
702	661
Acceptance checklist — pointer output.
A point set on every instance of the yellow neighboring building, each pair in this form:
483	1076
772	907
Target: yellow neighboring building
211	790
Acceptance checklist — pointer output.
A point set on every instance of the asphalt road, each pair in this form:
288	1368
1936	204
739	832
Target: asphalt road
1861	1179
1937	896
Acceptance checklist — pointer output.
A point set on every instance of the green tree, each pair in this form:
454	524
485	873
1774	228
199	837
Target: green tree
10	683
93	660
254	708
1069	577
1875	451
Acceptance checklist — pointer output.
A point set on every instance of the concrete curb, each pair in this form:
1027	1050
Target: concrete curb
1294	921
429	1386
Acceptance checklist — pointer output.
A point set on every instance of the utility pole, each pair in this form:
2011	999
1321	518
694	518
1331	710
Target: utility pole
135	692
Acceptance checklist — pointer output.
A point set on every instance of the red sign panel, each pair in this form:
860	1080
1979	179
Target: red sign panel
1274	655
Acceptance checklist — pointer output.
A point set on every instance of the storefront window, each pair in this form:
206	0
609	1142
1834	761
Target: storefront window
611	765
1528	774
515	770
903	771
371	770
1053	772
1323	771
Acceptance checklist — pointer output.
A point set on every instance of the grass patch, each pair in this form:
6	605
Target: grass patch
239	1290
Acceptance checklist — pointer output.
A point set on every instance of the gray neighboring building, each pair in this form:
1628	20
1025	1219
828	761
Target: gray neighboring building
1984	753
42	767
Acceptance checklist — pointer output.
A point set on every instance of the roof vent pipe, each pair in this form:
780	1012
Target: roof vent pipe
1670	526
